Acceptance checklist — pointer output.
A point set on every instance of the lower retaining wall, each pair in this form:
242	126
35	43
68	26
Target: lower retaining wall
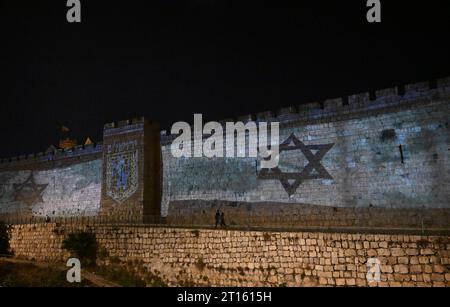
252	258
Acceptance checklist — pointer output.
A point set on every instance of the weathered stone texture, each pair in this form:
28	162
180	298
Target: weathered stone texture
374	180
286	215
384	162
136	145
68	191
253	258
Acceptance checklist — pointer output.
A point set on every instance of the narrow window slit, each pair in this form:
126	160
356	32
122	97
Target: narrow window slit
400	148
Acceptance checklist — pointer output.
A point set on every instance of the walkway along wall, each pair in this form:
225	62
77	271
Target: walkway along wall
376	159
117	180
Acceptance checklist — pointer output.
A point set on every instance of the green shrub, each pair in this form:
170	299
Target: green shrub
4	239
83	245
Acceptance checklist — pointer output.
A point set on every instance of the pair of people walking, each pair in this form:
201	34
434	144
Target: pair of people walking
220	219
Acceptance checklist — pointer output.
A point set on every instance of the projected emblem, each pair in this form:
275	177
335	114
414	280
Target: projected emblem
29	192
313	170
122	175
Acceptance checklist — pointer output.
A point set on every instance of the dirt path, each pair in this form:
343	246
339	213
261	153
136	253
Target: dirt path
92	277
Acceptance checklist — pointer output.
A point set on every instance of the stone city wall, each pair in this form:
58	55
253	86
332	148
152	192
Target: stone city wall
115	180
379	161
253	258
70	191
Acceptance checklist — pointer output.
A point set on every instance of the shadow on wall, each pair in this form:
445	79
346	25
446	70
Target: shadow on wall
291	216
4	239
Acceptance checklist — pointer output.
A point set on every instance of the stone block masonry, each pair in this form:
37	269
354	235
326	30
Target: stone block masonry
117	180
369	160
377	161
131	163
295	216
71	191
63	183
253	258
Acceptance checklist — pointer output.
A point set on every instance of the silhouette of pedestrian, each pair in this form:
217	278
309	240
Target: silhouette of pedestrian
217	217
222	220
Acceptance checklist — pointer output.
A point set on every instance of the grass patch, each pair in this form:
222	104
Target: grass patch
29	275
129	277
120	276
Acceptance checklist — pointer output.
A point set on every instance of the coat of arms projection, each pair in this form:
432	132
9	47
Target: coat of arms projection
122	171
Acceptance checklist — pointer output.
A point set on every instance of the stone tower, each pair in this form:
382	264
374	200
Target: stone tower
131	187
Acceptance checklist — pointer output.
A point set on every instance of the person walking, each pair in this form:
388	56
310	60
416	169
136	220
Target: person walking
222	220
217	217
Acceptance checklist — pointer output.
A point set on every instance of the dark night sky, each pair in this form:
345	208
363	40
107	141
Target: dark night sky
168	59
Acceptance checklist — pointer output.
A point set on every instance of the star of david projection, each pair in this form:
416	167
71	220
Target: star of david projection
291	181
29	192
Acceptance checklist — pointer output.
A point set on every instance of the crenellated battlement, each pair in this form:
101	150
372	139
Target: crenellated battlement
125	126
352	104
52	155
326	109
362	160
124	123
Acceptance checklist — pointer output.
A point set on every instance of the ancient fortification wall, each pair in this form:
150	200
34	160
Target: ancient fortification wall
376	159
52	184
113	180
253	258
